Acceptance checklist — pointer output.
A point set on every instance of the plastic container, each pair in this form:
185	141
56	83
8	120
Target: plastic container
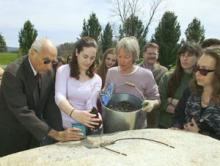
80	126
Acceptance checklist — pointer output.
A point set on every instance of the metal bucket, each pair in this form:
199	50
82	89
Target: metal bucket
114	120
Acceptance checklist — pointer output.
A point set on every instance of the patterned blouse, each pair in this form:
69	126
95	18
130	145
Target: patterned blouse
207	119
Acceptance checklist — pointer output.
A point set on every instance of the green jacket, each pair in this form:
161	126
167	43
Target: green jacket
157	70
165	118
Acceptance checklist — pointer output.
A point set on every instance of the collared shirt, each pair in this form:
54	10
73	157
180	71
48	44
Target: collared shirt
44	140
157	70
34	71
147	66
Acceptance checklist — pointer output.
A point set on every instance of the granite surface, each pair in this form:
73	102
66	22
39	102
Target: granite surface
151	147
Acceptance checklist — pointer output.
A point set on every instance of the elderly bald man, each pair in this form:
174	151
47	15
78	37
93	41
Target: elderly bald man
28	113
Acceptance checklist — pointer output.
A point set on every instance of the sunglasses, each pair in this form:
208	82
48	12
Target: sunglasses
203	72
48	61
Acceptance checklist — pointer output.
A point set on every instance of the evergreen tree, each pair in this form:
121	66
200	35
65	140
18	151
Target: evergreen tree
92	27
133	26
27	35
107	38
195	31
85	31
167	35
3	46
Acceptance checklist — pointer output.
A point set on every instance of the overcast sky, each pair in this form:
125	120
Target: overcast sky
61	20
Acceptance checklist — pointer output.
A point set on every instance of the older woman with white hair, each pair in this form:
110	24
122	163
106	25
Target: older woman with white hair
127	73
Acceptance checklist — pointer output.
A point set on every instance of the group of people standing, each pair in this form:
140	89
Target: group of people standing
40	105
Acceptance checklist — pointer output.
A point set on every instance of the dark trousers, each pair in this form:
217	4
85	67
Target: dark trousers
12	141
153	118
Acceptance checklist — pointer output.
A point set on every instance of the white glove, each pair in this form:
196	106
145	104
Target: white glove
148	105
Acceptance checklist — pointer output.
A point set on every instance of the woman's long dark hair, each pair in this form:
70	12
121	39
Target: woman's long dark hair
175	79
213	52
102	69
79	46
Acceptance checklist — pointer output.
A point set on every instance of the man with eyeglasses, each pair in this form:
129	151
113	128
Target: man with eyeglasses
151	53
28	113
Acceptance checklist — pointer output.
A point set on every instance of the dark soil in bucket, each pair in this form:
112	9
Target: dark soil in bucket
123	106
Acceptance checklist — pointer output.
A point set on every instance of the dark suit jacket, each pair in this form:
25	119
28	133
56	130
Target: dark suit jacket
24	119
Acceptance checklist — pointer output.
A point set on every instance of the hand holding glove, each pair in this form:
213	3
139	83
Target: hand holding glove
148	105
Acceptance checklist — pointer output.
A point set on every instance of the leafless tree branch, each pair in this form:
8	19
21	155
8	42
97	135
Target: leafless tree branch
153	10
125	8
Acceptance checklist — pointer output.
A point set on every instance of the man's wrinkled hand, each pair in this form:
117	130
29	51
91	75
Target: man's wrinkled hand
69	134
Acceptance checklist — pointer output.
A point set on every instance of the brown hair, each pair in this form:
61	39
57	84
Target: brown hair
102	69
151	45
210	42
79	46
176	76
213	52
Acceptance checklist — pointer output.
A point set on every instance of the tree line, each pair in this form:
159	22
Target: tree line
167	33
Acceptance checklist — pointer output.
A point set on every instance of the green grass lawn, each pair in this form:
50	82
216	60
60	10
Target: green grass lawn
7	57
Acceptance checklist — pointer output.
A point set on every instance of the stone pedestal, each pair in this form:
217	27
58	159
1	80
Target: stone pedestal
164	147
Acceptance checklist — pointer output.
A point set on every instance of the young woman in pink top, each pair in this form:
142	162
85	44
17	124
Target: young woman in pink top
77	87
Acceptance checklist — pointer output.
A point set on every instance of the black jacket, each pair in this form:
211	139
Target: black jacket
24	119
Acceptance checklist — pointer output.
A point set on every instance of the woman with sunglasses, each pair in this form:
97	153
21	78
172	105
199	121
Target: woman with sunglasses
109	60
202	109
77	87
175	82
179	117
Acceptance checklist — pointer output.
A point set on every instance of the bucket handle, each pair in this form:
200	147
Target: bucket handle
134	86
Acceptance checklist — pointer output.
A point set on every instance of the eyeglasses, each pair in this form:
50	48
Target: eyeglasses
203	72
